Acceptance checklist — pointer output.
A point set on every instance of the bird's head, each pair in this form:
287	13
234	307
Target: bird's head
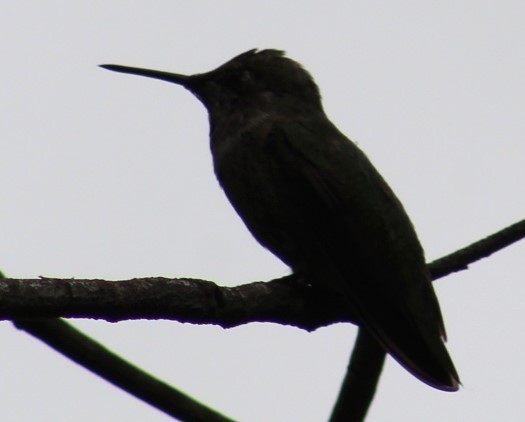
254	79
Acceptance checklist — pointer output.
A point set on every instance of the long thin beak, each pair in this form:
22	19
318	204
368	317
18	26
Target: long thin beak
155	74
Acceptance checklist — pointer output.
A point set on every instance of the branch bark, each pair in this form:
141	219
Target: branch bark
288	300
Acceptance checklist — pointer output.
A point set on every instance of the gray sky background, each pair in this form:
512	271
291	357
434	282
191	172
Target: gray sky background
109	176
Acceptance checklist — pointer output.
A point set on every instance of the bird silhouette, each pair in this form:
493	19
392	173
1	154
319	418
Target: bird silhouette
312	197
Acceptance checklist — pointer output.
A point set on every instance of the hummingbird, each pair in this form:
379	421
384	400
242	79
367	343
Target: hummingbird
313	198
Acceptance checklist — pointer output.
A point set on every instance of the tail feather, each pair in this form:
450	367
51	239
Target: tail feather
423	354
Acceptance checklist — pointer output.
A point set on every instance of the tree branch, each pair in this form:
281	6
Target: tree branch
287	301
460	260
290	301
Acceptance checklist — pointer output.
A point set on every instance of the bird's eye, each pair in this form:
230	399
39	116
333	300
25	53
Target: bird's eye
245	76
236	80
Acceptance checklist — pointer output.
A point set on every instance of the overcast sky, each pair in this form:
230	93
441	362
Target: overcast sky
109	176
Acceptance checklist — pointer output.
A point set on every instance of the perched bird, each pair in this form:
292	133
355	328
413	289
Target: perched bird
312	197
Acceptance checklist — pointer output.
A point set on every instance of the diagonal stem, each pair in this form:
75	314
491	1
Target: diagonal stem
360	383
83	350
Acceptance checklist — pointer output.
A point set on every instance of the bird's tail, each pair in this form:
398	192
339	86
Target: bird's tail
421	353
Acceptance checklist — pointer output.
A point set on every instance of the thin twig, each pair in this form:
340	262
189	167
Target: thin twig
460	259
83	350
360	382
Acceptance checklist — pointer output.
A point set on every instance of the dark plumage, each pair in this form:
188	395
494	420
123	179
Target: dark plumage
310	195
